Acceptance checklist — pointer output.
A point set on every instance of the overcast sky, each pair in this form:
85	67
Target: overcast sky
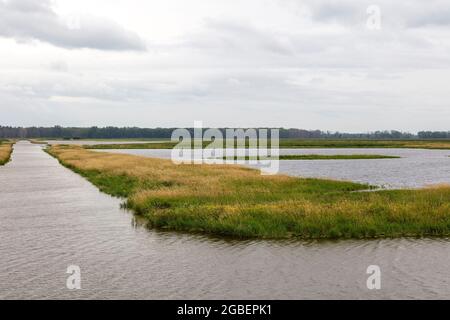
310	64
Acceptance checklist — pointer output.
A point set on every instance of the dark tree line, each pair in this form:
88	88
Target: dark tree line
58	132
434	134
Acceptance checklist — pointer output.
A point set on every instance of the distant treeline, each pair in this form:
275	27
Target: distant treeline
58	132
434	135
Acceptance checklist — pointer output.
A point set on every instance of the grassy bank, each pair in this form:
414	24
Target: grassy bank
300	143
34	141
5	151
239	202
156	145
322	157
413	144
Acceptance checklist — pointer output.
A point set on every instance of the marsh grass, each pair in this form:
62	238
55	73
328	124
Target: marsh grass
155	145
236	201
6	149
319	157
37	141
304	143
344	143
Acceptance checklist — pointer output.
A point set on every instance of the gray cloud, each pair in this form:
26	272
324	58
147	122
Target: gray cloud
408	13
237	36
431	16
227	43
335	11
26	20
314	67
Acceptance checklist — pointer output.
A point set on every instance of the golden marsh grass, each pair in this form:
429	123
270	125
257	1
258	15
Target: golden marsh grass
5	152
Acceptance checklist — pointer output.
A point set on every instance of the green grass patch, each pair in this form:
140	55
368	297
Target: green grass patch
318	157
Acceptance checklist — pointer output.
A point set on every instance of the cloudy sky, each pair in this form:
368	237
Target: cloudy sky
310	64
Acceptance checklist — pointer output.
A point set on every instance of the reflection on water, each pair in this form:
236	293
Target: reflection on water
416	168
51	218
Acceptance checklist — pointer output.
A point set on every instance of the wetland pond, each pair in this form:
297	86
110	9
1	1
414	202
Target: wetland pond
415	168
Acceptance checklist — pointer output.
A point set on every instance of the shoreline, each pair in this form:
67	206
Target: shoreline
238	202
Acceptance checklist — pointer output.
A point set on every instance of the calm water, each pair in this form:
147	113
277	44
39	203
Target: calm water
51	218
416	168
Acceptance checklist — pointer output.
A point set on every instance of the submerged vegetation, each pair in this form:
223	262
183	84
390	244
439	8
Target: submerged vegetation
304	143
321	157
236	201
5	151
